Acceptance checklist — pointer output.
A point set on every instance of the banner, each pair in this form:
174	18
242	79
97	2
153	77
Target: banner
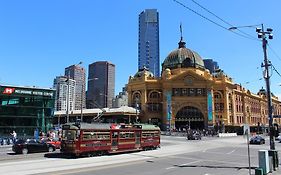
210	105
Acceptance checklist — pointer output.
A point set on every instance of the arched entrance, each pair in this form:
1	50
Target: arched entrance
189	117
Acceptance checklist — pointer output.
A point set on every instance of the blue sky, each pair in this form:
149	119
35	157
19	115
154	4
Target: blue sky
38	39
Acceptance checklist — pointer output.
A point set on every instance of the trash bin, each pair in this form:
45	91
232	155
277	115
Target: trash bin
264	161
275	161
258	171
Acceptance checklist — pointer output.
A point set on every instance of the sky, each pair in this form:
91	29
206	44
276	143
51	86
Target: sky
38	39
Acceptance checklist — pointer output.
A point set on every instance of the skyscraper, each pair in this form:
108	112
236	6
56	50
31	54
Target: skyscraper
77	73
101	84
148	45
211	65
63	95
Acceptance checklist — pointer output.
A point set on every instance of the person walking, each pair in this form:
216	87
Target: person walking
14	134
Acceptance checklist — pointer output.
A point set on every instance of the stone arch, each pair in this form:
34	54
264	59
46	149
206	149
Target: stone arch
191	115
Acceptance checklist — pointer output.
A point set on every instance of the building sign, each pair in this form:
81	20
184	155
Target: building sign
10	90
210	105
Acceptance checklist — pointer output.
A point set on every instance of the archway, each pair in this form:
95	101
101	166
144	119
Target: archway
189	117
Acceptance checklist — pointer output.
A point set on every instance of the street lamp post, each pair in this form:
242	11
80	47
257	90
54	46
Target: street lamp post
67	97
81	115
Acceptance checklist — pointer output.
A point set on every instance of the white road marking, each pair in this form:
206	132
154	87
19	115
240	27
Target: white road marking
231	151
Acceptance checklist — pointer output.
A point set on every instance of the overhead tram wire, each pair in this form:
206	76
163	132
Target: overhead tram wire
217	24
274	52
249	36
276	70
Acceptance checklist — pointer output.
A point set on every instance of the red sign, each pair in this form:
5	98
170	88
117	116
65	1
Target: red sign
8	90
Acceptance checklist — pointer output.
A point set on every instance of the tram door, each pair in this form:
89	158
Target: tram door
114	142
138	135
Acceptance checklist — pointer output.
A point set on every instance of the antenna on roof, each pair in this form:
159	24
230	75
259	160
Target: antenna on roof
181	43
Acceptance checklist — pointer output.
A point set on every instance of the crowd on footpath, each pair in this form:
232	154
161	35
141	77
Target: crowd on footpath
41	136
49	136
183	131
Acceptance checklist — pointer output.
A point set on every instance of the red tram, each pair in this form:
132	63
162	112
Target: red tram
86	139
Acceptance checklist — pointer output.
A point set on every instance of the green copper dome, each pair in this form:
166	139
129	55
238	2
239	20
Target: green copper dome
183	57
143	71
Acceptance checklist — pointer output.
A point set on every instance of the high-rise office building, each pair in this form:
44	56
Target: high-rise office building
101	84
77	73
211	65
148	45
63	95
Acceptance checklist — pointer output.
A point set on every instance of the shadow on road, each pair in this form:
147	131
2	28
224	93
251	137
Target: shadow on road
215	167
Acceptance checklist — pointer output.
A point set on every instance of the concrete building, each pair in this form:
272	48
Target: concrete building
77	73
121	99
148	44
63	94
101	85
188	95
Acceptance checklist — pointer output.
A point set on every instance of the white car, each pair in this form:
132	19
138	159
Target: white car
278	138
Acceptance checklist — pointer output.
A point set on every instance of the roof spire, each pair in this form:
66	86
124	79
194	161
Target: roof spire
181	43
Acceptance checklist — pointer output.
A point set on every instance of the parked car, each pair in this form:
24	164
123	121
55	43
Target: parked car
278	138
54	141
32	146
257	140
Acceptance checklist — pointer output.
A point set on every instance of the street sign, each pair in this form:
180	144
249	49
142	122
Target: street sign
276	116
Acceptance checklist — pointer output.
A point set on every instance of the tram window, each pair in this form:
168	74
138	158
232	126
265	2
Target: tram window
115	135
126	135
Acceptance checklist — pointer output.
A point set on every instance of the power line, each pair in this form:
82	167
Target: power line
274	52
276	70
250	36
217	24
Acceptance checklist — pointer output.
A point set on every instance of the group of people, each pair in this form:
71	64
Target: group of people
50	135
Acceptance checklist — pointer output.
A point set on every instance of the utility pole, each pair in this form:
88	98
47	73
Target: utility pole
262	34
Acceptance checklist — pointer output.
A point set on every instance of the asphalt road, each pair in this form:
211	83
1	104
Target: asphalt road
210	156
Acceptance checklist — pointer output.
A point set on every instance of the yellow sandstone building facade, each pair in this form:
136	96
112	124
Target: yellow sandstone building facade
188	95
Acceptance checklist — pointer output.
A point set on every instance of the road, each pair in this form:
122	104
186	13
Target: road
210	156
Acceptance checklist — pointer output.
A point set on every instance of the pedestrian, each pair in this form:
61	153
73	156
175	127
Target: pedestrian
14	134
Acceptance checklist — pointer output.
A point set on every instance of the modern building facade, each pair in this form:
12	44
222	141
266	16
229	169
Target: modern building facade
78	73
211	65
188	95
101	85
65	93
25	109
148	44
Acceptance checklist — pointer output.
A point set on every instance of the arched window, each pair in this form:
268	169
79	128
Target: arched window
154	95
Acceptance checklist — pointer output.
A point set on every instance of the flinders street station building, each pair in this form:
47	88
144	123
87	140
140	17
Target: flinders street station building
188	95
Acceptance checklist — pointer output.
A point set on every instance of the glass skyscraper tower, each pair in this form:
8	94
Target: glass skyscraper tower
148	45
101	85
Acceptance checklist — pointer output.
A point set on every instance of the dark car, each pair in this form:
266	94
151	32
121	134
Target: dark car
257	140
32	146
194	136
